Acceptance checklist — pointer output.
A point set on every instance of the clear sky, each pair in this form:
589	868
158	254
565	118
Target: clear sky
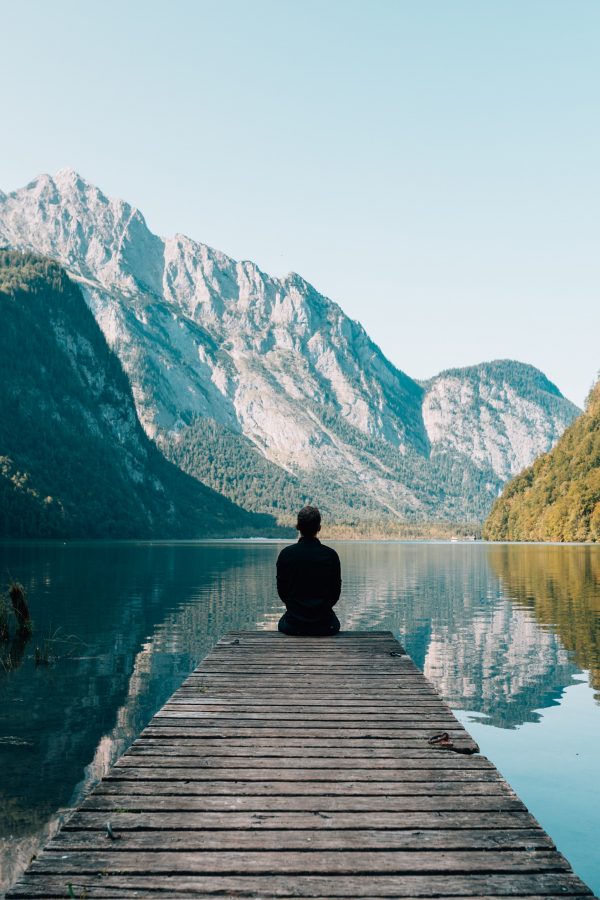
432	165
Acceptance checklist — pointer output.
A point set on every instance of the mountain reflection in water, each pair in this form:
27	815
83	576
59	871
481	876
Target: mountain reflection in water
501	630
561	586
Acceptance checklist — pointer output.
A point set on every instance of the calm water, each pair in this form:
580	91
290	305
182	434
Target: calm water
509	634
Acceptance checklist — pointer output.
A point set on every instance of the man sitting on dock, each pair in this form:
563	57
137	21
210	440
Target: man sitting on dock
309	580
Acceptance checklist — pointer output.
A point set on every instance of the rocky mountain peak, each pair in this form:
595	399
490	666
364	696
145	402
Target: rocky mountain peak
499	413
203	335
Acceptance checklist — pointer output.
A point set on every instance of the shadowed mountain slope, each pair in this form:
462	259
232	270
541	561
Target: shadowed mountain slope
74	460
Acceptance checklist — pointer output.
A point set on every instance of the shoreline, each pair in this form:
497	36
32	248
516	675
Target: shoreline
260	539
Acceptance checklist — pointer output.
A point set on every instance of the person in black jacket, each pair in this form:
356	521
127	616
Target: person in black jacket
309	580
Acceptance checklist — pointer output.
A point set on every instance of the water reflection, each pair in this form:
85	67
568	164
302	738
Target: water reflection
561	586
144	616
501	630
448	607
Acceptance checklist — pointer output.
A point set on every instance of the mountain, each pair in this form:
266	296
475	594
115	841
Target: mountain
234	371
75	461
495	413
558	497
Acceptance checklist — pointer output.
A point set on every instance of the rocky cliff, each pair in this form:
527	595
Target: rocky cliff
278	370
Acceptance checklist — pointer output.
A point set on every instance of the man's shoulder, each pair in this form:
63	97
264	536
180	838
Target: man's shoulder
301	548
290	550
330	551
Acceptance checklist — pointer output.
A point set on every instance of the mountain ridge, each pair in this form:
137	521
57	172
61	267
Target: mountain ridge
203	336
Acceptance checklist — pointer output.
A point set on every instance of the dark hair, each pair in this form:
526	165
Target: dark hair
309	521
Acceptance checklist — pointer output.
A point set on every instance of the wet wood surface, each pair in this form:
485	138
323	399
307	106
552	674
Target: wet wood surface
302	767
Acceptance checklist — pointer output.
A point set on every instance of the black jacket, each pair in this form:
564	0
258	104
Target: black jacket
309	580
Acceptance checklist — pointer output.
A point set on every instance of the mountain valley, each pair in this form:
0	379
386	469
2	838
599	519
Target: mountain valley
264	390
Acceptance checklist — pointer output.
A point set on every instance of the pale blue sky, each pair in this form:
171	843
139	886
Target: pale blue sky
433	165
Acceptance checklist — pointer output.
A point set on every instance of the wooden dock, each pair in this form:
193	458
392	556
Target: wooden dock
301	767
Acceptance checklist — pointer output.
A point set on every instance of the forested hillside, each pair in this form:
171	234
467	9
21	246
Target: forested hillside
558	497
74	460
228	462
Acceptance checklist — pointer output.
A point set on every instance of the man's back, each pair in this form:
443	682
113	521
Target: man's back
309	583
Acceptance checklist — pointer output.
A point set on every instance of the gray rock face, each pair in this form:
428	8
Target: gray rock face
201	335
500	414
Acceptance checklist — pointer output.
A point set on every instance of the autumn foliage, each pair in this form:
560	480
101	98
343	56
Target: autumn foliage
558	497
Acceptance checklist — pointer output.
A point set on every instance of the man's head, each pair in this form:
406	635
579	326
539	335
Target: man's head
309	521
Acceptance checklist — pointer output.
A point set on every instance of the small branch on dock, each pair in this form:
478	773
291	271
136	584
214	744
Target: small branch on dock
110	833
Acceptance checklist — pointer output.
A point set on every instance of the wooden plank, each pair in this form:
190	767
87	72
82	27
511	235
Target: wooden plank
263	862
384	687
299	788
198	727
257	674
288	719
351	700
364	651
317	820
315	738
301	767
367	659
342	759
197	709
284	695
311	838
375	887
325	764
237	699
379	671
175	796
254	707
322	776
240	746
221	688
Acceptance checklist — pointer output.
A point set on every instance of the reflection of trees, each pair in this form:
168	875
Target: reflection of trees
561	585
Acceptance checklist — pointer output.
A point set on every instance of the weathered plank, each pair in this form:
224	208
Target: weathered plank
193	797
165	727
311	837
301	767
192	747
371	886
141	820
345	760
299	788
295	747
323	776
264	862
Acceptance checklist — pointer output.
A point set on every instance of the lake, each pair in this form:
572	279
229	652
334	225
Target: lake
509	634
